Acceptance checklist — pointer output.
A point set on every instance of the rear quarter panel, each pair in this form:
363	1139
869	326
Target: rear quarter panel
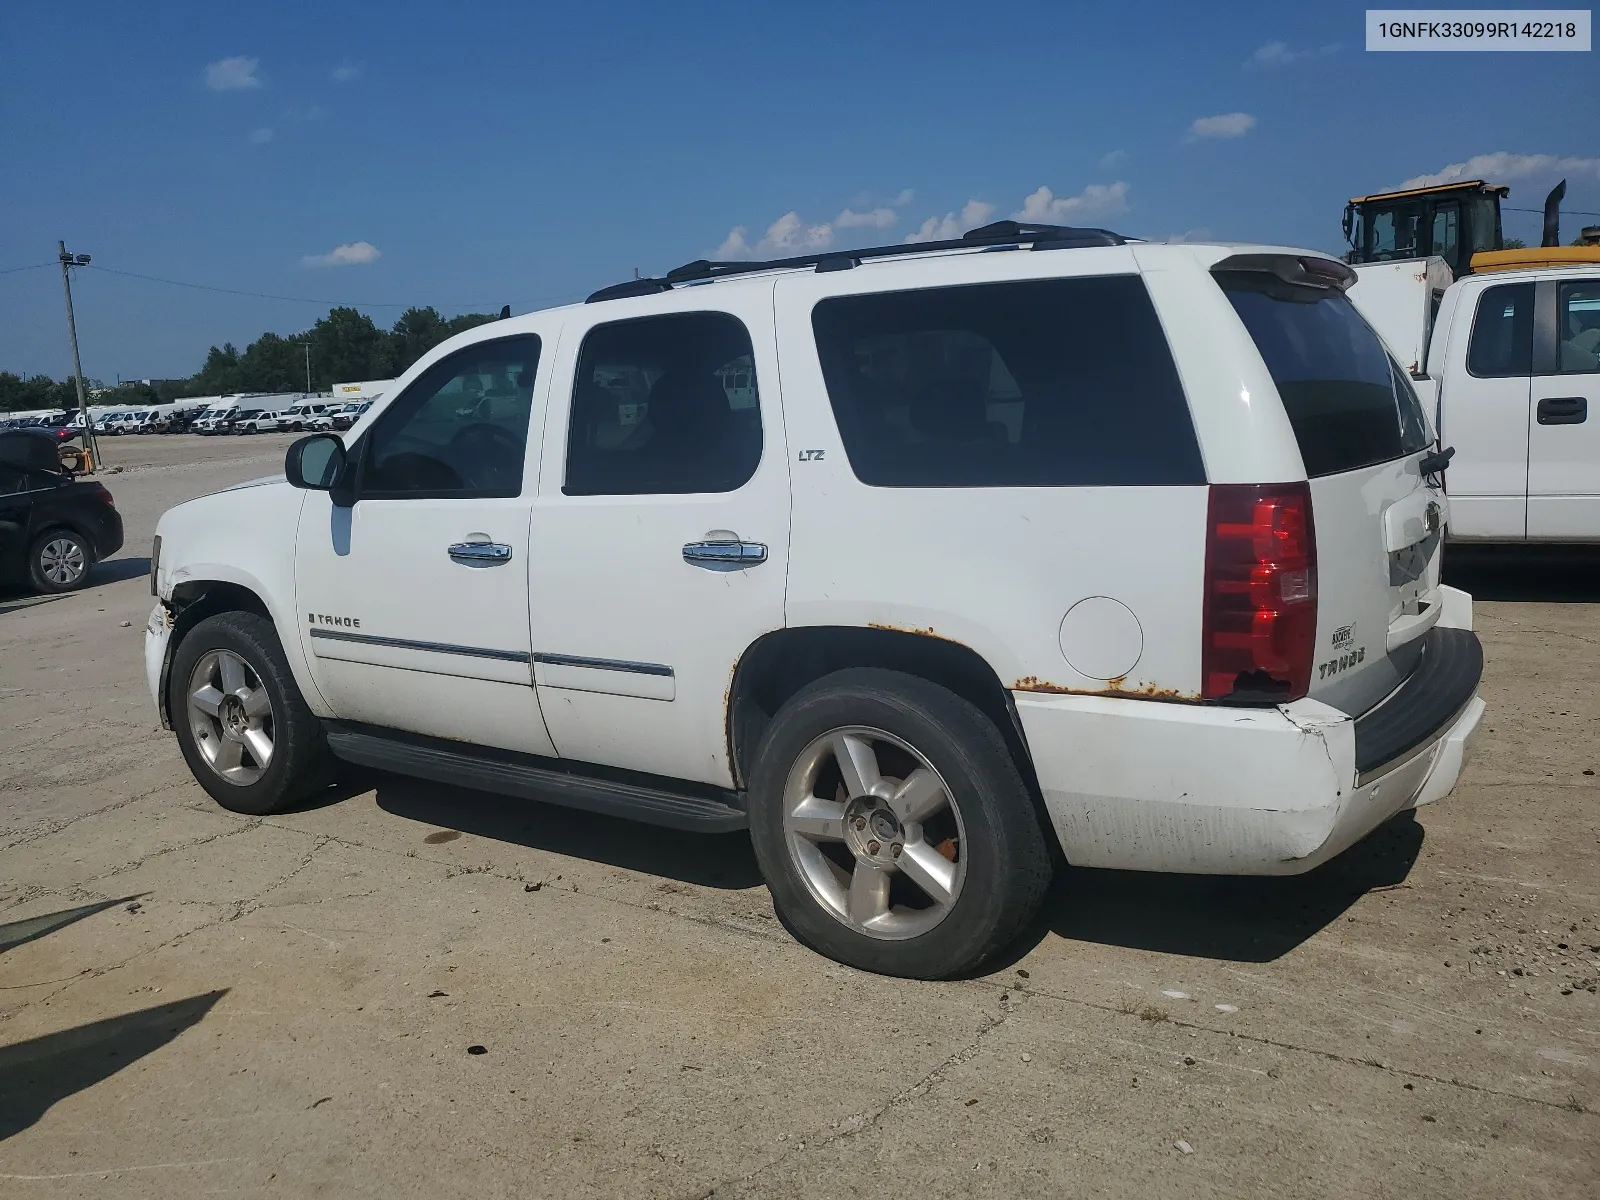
996	569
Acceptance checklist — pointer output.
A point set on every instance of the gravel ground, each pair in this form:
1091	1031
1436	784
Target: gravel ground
426	991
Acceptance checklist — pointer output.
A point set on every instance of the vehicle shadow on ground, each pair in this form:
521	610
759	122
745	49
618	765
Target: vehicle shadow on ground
35	1074
118	569
707	860
1525	574
30	929
14	596
1234	918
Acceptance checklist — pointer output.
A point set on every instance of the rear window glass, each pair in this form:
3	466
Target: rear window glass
1348	403
1034	383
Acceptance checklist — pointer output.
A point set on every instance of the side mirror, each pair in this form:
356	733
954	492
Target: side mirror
316	463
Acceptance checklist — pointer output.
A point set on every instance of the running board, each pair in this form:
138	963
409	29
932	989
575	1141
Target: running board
692	807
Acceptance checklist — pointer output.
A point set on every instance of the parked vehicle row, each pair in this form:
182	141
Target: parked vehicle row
307	417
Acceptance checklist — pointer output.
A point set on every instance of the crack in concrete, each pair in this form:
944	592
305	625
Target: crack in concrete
858	1123
1327	1055
236	909
48	828
165	850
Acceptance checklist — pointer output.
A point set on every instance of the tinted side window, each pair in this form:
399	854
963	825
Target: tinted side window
1028	384
1578	327
664	406
461	429
1502	332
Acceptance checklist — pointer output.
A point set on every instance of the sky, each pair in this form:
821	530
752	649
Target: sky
472	155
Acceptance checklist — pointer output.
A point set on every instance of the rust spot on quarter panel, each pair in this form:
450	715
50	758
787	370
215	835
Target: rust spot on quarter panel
928	632
1114	687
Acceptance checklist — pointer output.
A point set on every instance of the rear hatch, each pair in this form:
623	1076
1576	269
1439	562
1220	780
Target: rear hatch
1378	523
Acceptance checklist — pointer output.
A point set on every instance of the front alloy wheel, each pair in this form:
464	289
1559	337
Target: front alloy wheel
230	715
874	832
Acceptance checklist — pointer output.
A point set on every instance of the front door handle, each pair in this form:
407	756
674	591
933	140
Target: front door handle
724	551
1563	410
480	552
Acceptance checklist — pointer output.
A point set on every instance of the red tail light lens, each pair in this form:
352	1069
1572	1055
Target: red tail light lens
101	493
1260	626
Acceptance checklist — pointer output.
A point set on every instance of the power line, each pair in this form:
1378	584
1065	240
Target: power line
29	267
1576	212
206	287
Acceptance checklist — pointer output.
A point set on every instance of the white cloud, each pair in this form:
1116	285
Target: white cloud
952	225
1098	199
877	218
1225	125
1113	158
1277	54
790	236
1501	166
259	137
349	254
786	237
347	72
232	74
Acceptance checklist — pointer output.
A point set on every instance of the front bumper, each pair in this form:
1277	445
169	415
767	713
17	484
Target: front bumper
1150	786
158	657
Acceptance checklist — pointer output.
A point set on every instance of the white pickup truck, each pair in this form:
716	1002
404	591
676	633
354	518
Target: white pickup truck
1507	360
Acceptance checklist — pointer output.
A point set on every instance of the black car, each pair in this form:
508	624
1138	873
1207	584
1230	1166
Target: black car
53	527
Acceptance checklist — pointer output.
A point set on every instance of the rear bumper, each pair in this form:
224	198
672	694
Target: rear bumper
108	537
1150	786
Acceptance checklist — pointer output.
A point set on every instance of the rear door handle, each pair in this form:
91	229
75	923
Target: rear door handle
479	553
1563	410
724	553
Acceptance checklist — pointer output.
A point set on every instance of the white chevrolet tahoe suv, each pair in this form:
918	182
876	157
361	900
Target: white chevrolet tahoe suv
929	564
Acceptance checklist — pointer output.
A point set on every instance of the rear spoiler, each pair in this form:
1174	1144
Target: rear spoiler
1302	270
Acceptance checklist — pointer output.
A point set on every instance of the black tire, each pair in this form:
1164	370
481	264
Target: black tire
1006	853
300	765
47	578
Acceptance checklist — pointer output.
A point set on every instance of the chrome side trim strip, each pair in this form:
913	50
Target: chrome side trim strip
367	639
604	664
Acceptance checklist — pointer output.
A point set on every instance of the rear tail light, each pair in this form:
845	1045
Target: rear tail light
1260	626
101	494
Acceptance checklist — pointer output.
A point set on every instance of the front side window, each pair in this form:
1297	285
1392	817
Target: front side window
1578	327
459	430
1036	383
664	406
1502	332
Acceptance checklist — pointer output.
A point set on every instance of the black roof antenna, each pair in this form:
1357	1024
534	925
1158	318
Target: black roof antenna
505	312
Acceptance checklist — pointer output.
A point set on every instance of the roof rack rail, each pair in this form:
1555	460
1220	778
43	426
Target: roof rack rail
994	235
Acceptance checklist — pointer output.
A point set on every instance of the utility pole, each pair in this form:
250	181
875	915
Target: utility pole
67	261
307	345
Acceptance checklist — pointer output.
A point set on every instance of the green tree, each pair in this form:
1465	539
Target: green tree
220	374
346	345
272	364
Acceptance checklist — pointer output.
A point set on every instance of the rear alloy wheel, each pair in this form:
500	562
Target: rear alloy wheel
881	847
893	826
59	561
